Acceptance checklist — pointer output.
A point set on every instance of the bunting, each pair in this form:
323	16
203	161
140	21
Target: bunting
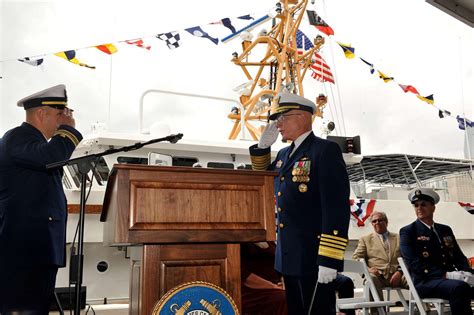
227	23
467	206
348	50
372	70
443	113
408	88
32	62
361	210
384	77
321	70
172	39
464	122
428	99
107	48
70	56
318	22
139	43
199	32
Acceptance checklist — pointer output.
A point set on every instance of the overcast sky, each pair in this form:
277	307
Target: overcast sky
408	39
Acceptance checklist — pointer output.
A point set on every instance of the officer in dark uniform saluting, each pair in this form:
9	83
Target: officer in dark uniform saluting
33	209
437	265
312	202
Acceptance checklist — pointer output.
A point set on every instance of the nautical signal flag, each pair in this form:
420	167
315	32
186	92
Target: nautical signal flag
443	113
107	48
199	32
361	210
467	206
321	70
318	22
139	43
32	62
348	50
172	39
384	77
408	88
428	99
70	56
371	65
227	23
464	122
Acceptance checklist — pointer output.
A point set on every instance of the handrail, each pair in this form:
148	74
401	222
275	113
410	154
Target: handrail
142	97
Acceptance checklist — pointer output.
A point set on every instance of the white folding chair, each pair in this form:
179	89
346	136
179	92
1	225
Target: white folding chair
415	300
364	302
401	297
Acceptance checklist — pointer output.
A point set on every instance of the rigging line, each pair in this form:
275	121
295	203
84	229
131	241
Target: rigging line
336	79
335	118
468	142
110	90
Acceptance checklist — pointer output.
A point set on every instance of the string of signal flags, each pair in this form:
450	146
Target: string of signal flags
321	70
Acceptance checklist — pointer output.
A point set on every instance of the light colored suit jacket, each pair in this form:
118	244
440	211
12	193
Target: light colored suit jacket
371	249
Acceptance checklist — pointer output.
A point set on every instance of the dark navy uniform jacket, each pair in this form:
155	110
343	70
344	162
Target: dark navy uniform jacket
33	209
425	256
312	202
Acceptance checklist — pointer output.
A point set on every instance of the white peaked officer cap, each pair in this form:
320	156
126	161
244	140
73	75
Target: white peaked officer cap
54	97
288	101
427	194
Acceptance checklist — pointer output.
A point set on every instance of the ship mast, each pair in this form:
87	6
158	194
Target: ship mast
272	63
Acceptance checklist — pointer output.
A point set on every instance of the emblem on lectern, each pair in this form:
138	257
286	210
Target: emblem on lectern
196	298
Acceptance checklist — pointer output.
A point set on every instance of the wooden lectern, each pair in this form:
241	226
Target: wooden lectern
185	224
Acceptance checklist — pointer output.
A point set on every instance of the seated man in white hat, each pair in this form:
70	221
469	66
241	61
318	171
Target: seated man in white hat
437	265
33	208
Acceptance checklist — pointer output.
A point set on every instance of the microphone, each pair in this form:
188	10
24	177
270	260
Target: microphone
175	138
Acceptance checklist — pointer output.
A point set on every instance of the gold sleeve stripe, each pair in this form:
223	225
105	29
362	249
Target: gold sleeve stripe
260	163
323	251
333	241
66	134
337	238
332	245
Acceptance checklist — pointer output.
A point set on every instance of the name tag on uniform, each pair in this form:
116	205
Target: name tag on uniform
423	238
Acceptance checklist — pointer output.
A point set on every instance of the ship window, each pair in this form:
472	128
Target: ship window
132	160
184	161
220	165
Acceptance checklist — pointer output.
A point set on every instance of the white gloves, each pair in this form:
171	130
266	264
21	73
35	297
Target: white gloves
269	136
326	275
465	276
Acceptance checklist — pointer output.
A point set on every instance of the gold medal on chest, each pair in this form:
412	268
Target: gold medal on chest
303	188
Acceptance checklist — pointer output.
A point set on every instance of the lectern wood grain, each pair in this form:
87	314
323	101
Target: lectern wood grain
185	224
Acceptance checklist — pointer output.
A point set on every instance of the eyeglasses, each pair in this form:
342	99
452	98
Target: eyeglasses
282	118
377	221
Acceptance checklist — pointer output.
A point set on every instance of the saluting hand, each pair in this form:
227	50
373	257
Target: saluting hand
67	118
269	136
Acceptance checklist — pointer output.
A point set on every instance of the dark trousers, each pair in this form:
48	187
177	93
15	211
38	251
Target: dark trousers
27	290
344	287
459	293
299	291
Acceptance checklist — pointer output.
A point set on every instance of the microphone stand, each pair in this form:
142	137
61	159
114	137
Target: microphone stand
84	165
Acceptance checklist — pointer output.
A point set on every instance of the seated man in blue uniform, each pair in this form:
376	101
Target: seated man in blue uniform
437	265
312	202
33	209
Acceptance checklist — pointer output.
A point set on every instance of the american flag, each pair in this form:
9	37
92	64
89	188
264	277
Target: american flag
302	42
469	207
321	70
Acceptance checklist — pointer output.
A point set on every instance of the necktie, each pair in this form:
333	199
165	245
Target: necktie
386	244
435	233
292	148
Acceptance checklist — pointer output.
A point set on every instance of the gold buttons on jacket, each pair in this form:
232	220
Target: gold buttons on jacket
282	178
279	193
281	225
50	218
426	271
279	209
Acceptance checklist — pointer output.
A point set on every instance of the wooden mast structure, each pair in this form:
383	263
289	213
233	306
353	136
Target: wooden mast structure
280	67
